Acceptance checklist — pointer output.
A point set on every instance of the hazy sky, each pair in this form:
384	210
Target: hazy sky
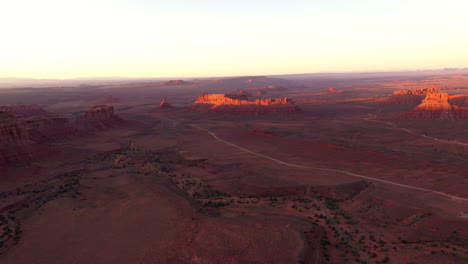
177	38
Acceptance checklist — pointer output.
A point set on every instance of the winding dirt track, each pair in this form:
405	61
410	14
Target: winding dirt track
372	119
332	170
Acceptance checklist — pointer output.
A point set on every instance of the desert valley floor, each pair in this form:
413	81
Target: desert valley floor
256	170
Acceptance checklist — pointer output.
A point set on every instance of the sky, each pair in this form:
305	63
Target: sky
200	38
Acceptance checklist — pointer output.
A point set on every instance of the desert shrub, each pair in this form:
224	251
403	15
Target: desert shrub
331	204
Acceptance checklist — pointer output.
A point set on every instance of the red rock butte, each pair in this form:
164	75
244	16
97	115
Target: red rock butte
437	105
164	104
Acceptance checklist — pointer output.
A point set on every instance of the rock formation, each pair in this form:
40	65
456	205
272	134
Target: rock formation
239	103
100	112
438	106
410	96
99	116
434	106
45	122
164	104
459	100
13	133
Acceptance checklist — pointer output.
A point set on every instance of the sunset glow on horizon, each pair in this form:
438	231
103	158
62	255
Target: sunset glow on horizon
182	38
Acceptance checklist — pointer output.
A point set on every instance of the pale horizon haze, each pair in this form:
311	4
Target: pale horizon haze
136	38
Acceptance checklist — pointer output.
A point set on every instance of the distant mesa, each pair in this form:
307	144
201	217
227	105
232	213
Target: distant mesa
267	88
332	90
175	83
239	103
238	91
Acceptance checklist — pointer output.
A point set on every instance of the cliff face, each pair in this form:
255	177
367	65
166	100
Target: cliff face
100	112
13	133
99	116
410	97
46	122
434	106
460	112
239	103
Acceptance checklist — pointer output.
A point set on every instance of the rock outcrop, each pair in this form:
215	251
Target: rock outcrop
99	116
411	96
239	103
100	112
459	100
46	122
13	133
434	106
164	104
438	106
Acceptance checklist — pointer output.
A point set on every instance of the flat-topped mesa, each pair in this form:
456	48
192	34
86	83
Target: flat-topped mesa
239	103
223	99
100	112
99	116
25	110
410	96
175	83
